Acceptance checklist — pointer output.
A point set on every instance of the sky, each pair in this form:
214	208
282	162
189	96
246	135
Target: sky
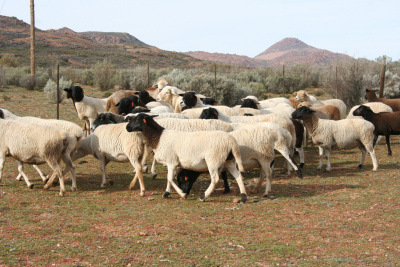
361	29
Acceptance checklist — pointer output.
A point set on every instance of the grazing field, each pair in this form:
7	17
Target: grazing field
349	216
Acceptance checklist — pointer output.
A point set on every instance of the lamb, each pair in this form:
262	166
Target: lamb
88	108
113	143
328	133
33	144
386	123
371	97
186	149
375	107
326	112
303	96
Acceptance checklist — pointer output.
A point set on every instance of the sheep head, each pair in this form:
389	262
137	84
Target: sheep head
301	96
300	113
75	93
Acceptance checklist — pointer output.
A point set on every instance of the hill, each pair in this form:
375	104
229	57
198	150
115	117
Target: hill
227	59
291	51
70	48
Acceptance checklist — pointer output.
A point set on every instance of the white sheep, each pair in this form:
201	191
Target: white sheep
75	135
33	144
268	103
345	134
170	96
282	139
113	143
188	150
279	119
88	108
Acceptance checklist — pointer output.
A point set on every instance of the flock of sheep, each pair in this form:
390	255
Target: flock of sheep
190	135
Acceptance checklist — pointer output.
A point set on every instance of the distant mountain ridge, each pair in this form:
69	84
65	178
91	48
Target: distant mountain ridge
87	48
289	51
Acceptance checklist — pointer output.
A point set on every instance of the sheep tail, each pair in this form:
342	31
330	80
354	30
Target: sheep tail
238	157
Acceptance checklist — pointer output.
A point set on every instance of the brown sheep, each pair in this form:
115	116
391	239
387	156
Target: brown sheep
327	112
371	97
114	99
294	102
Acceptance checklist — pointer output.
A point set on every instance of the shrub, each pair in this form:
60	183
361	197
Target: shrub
51	89
103	74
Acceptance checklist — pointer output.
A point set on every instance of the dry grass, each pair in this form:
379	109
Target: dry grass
345	217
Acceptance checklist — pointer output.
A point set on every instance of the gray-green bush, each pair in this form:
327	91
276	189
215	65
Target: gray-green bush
51	89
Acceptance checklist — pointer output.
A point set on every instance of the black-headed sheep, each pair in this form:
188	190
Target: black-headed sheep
327	134
186	150
386	123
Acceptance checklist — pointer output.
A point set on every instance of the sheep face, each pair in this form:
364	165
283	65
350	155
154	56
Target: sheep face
186	178
75	93
209	113
145	97
136	124
209	101
299	113
127	104
370	92
249	103
104	118
189	99
301	96
362	111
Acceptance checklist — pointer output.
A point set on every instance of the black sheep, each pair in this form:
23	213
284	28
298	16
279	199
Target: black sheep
386	123
128	103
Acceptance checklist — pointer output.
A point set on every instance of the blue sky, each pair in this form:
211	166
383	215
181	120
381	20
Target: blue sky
357	28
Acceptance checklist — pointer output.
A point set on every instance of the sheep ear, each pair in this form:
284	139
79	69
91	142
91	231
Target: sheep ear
181	94
136	93
67	89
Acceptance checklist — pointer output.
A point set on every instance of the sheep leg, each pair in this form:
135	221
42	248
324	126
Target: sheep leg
69	166
328	159
226	184
301	155
21	171
171	175
44	178
363	155
256	188
138	166
388	144
57	172
214	181
2	159
266	171
153	169
103	164
231	167
321	157
374	160
375	139
290	161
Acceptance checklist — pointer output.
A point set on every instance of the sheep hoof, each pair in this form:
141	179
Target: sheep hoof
46	187
166	194
299	174
73	188
102	185
244	198
360	166
227	190
111	183
269	196
30	186
203	198
184	196
154	175
142	193
301	165
45	181
61	194
296	153
145	169
390	153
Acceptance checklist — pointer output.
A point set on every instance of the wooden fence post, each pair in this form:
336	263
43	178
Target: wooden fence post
215	81
58	91
382	81
148	75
